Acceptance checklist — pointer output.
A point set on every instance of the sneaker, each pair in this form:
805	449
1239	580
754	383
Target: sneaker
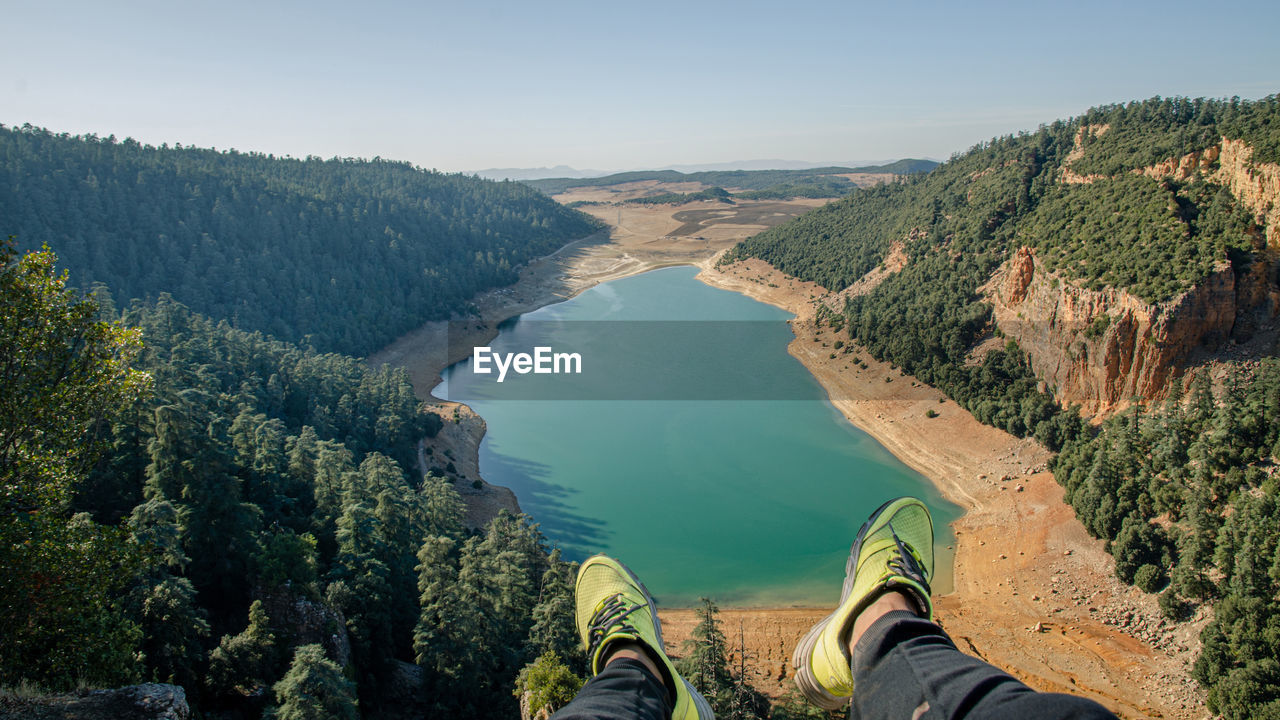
893	551
612	606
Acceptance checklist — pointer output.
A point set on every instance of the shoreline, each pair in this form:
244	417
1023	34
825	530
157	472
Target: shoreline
1033	593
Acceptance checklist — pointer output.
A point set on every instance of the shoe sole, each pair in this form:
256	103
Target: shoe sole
699	703
809	686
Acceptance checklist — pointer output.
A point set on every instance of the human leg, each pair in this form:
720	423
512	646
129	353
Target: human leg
907	667
881	641
632	675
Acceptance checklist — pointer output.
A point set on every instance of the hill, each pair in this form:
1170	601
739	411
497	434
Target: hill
348	254
760	180
194	504
1129	253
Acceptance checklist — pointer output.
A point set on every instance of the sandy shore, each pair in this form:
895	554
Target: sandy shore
1033	593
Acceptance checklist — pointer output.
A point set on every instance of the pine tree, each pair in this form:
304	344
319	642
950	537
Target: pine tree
553	628
246	662
314	689
173	624
360	587
705	663
746	703
192	469
442	507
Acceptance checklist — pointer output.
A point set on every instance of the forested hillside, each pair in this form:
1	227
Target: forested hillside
249	523
348	253
766	181
1186	493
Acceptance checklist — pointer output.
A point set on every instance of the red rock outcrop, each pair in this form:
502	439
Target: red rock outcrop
1101	348
1230	164
1255	185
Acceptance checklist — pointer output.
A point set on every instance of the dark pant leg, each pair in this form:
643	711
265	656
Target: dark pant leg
905	667
624	690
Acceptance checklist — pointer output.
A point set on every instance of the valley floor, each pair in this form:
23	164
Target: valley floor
1034	594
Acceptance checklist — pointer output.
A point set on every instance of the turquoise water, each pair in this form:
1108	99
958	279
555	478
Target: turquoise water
749	495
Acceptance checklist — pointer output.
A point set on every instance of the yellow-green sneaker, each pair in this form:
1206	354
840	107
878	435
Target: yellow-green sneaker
614	606
893	551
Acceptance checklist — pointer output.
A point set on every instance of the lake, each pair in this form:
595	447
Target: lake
684	441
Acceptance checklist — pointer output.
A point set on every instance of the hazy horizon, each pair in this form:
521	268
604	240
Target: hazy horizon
494	85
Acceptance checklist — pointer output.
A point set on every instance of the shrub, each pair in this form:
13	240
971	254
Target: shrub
549	682
1149	578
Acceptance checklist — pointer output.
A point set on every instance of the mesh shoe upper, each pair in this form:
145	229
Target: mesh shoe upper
893	551
614	606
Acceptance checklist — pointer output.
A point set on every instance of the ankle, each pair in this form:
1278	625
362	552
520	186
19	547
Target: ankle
634	651
890	601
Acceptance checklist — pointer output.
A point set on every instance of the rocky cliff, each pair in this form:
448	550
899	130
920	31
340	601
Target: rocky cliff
1230	164
1101	348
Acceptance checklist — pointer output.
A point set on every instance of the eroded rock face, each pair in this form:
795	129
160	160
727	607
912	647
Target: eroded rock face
1101	348
1256	186
306	622
1101	367
1230	164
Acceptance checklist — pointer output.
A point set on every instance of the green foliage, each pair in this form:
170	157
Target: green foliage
553	630
716	193
62	617
1149	578
745	179
1098	327
288	560
1140	544
826	188
253	475
1238	662
443	507
1196	463
65	374
477	610
62	604
549	682
347	253
1143	133
314	689
705	662
1152	238
244	663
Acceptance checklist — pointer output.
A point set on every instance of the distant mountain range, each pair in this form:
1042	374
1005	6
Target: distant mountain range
564	171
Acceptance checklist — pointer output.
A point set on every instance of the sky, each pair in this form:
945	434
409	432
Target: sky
472	84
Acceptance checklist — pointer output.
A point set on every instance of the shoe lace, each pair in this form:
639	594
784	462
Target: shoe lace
610	618
905	562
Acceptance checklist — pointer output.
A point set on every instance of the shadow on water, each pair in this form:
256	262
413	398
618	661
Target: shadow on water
548	503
